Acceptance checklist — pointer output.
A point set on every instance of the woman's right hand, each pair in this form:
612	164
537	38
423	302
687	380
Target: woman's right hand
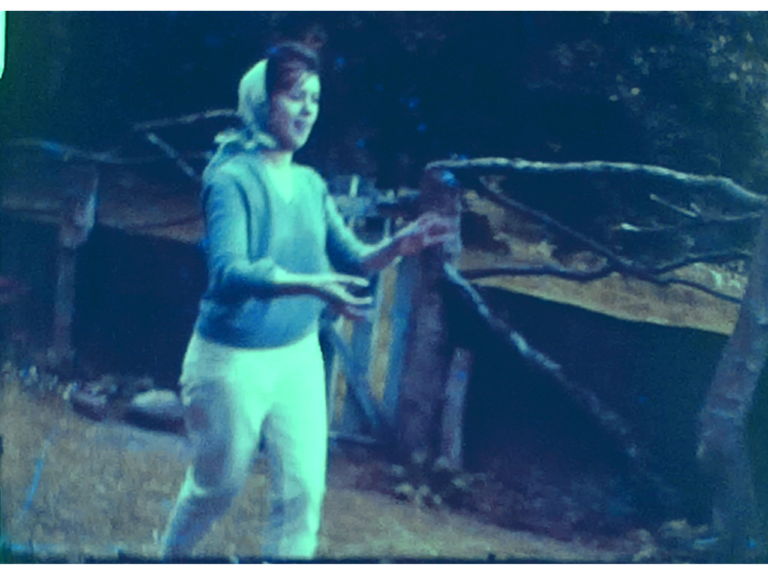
336	290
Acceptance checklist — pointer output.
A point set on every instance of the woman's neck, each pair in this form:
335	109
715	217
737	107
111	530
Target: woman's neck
278	159
278	165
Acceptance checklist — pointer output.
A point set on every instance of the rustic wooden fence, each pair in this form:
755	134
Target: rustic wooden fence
396	379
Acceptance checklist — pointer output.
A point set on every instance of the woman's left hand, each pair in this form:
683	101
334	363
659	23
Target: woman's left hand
429	230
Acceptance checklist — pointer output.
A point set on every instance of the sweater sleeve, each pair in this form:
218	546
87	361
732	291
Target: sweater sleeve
345	251
232	273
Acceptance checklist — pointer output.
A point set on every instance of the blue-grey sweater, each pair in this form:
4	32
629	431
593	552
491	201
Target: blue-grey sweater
251	229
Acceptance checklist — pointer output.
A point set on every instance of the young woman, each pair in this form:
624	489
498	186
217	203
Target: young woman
278	253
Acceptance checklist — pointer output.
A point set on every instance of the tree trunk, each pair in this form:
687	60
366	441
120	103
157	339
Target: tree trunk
722	445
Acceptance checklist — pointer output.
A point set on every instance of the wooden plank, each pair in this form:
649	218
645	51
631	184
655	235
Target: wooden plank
381	333
354	413
357	384
359	412
399	315
453	408
619	296
381	336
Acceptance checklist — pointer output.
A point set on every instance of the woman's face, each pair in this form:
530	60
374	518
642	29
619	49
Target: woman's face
293	112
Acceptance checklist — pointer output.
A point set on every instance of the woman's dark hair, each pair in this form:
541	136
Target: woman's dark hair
286	63
279	71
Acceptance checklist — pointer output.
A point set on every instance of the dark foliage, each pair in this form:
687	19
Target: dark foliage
682	90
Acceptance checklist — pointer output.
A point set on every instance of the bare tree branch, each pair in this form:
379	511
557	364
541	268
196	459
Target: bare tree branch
184	120
182	221
546	270
695	285
703	236
173	155
713	257
66	152
673	207
700	221
615	263
586	277
654	175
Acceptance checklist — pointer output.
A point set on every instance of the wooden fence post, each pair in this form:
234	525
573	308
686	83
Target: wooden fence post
452	426
427	354
78	218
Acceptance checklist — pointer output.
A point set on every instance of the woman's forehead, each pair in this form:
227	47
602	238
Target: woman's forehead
307	82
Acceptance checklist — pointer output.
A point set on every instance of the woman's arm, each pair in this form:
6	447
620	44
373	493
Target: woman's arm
430	229
351	256
346	252
234	275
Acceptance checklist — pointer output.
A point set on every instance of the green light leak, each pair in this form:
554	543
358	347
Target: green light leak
2	43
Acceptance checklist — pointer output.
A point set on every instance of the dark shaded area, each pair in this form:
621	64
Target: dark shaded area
654	377
27	254
138	299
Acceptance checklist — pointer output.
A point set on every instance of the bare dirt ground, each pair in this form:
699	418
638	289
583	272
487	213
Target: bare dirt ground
74	489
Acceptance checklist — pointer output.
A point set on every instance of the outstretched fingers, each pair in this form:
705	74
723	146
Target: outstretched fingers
360	302
353	281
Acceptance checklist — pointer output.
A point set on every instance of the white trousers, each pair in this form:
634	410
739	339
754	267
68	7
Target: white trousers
230	396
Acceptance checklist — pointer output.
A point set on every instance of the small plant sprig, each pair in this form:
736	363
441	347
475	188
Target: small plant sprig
433	483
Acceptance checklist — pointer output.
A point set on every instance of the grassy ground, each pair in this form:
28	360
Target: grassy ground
73	488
